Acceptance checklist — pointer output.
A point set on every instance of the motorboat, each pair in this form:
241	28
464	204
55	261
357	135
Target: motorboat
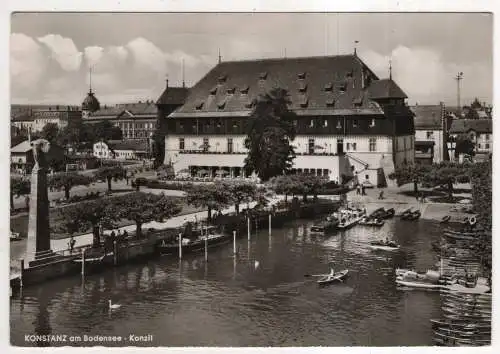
406	212
429	280
333	277
329	224
367	221
349	217
382	213
15	236
413	215
384	245
195	242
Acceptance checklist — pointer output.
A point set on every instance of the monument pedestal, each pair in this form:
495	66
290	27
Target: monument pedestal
38	250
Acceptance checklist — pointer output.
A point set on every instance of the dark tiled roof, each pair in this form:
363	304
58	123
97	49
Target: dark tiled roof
105	111
311	82
478	125
173	96
428	117
385	88
143	108
134	145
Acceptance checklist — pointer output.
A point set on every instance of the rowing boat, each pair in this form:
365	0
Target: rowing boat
384	245
461	324
333	277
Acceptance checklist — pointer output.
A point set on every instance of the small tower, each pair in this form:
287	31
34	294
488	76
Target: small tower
90	104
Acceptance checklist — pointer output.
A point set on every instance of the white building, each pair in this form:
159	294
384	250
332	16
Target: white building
121	150
479	131
349	123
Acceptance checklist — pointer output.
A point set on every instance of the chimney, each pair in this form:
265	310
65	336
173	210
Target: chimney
57	107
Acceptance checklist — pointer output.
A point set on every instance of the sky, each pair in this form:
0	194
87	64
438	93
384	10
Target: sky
132	54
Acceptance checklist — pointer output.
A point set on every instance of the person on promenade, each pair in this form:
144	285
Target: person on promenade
381	195
71	244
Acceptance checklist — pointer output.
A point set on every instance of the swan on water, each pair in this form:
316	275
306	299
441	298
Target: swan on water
113	306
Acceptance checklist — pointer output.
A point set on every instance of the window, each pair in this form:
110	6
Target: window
330	102
329	86
311	146
339	124
325	123
353	146
230	90
205	145
372	123
311	123
486	146
479	146
326	172
230	145
348	147
181	143
301	76
244	89
430	135
367	177
355	123
372	144
263	75
487	137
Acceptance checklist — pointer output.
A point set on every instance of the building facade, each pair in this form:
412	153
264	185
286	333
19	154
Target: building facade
479	131
35	119
122	150
432	123
349	122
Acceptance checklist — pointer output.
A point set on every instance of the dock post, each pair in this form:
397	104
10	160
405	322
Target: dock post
180	246
206	246
21	276
115	255
248	227
234	242
269	224
83	262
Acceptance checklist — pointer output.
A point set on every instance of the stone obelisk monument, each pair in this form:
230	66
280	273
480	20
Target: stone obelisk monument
38	250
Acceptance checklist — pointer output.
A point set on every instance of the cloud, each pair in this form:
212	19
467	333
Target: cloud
93	54
426	78
63	50
27	62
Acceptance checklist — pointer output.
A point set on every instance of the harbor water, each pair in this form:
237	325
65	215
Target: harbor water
262	297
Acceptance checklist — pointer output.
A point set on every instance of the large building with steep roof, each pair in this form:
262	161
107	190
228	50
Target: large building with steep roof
349	122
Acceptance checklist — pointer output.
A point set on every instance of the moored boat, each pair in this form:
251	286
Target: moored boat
384	245
367	221
414	215
329	224
349	217
195	242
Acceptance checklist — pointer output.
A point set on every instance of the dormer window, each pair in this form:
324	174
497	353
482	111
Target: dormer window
244	90
303	101
354	123
301	76
263	75
213	91
358	102
230	90
330	102
302	87
349	75
328	86
199	105
222	78
343	87
249	104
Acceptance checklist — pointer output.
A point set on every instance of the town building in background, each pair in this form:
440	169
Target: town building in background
34	119
122	150
432	123
478	131
349	122
22	161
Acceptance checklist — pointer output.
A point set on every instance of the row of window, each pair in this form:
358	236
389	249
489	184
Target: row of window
312	147
480	146
149	125
136	134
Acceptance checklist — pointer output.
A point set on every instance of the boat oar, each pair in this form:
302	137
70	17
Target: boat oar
315	275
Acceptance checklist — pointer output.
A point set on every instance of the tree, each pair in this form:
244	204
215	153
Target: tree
407	173
50	132
311	184
464	146
18	187
145	207
90	215
109	173
240	192
105	130
68	180
269	134
446	174
212	197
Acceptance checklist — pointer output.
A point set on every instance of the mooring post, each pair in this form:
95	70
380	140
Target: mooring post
206	245
269	224
83	262
248	227
21	276
115	253
180	246
234	242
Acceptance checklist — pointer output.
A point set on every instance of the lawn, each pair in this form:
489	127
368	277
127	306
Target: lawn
20	223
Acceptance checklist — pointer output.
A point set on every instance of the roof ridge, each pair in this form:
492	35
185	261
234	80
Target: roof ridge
287	58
